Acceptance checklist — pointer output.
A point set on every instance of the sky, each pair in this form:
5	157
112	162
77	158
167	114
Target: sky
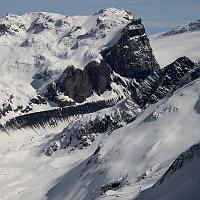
157	15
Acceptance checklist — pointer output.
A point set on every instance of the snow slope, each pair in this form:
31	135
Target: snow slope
57	39
127	161
181	180
115	164
174	44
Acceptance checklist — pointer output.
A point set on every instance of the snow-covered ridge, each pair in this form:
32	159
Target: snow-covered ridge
136	156
193	26
180	181
113	153
68	60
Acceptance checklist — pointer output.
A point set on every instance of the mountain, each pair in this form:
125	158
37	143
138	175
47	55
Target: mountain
64	60
178	42
87	113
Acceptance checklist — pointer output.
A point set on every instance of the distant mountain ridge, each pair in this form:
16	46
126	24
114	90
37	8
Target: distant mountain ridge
193	26
177	42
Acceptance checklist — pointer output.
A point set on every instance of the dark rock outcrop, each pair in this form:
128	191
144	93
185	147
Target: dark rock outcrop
75	83
132	56
80	84
184	159
99	75
3	29
51	117
82	133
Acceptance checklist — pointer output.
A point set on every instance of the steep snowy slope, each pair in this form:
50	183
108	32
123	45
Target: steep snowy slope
180	41
110	122
181	180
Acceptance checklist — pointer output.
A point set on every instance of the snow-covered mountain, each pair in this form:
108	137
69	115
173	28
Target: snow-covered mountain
64	60
87	113
178	42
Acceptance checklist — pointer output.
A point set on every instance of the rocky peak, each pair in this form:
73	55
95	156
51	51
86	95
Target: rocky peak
111	11
132	55
73	59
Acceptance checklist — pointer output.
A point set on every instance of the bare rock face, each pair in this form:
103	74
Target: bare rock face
99	76
80	84
3	29
163	81
132	56
74	83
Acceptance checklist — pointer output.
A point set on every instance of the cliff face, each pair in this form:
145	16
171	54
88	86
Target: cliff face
80	84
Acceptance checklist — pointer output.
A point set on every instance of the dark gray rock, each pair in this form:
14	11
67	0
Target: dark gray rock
183	160
3	29
75	83
100	76
51	117
80	84
132	56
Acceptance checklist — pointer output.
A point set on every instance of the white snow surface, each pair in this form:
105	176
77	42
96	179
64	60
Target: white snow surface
139	153
168	48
